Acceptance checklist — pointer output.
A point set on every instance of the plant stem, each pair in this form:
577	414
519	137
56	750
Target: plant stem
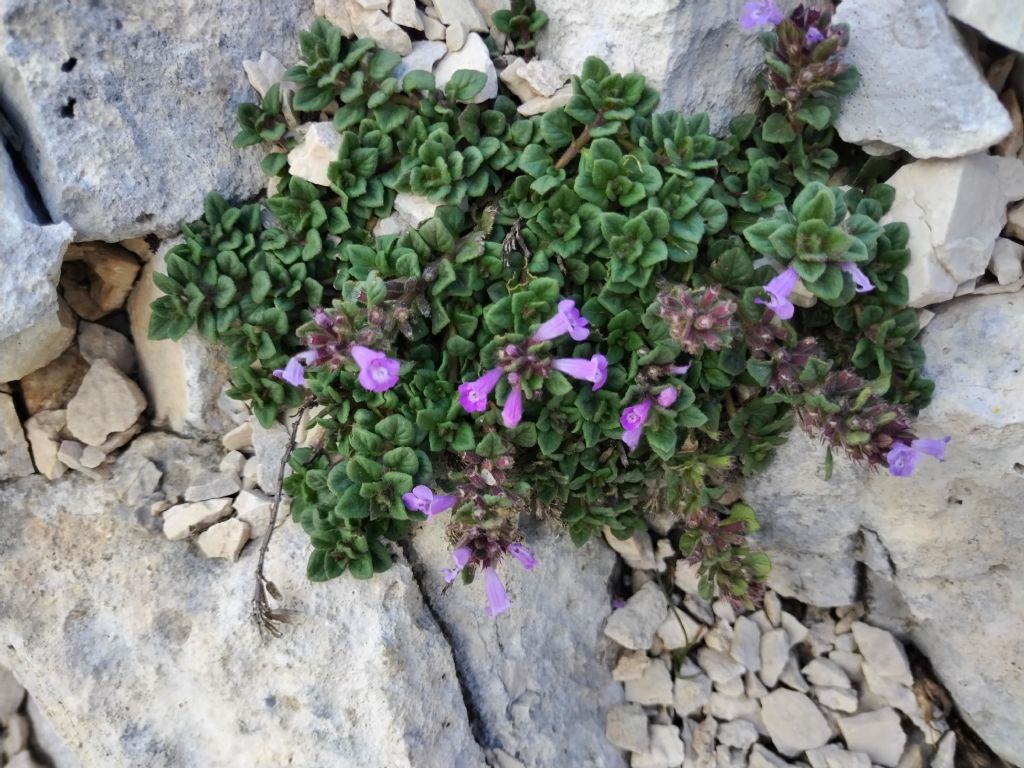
581	141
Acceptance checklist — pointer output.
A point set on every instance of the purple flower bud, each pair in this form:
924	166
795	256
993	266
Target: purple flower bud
461	556
594	370
618	602
902	458
523	555
814	36
473	394
566	320
778	290
377	371
495	590
932	447
321	318
632	420
512	413
667	397
680	370
862	281
422	499
758	13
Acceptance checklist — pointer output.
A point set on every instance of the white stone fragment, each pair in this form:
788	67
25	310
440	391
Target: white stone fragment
626	728
724	611
224	540
719	666
837	699
1006	262
996	19
719	638
239	438
181	518
634	625
371	5
631	666
773	608
265	73
945	755
761	757
22	760
270	446
213	485
43	431
11	695
826	672
512	77
753	687
637	550
834	756
679	630
793	722
422	57
404	12
433	29
666	751
473	55
878	734
1012	145
822	636
953	112
16	735
414	210
797	632
727	708
653	687
792	677
685	576
774	654
1015	221
14	456
97	342
701	747
543	77
538	105
253	508
746	644
451	11
691	694
318	149
455	36
382	30
883	652
107	401
739	734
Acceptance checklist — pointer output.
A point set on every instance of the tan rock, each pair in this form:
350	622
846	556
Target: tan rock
999	71
43	431
141	246
336	12
253	508
455	36
465	11
538	105
111	272
213	486
319	148
81	458
36	345
14	457
53	385
224	540
181	519
239	438
404	12
97	342
382	30
626	728
16	735
432	28
107	402
372	5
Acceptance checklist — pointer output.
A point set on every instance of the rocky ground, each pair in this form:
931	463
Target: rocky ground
132	490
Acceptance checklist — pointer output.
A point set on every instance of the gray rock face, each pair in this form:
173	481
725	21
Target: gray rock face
694	52
151	90
920	89
816	530
538	675
141	652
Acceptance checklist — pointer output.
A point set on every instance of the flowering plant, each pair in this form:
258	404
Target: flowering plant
610	314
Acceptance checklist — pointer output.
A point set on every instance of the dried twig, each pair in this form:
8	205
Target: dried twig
269	619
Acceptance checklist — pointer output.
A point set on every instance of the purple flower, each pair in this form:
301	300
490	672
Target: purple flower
322	319
778	290
461	556
679	370
566	320
814	36
667	397
473	394
377	371
632	420
523	555
495	590
422	499
903	458
295	371
618	602
758	13
594	370
512	413
862	281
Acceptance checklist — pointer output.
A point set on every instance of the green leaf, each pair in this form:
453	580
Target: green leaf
417	80
398	429
777	130
465	84
815	115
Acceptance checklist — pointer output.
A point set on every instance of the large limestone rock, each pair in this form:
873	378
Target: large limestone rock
141	652
997	20
941	549
920	89
693	51
35	325
538	676
184	378
120	151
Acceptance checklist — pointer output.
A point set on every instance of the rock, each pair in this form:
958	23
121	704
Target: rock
513	78
878	734
264	73
701	747
834	756
47	738
945	755
725	707
1006	261
955	210
631	666
678	630
695	54
414	210
883	652
423	56
791	676
849	662
213	485
16	735
667	749
33	327
11	695
181	520
774	654
52	386
626	728
103	677
794	723
97	342
825	672
739	734
773	608
455	36
239	438
542	77
318	149
1015	221
473	55
106	402
796	631
1012	145
186	77
382	30
634	625
254	508
233	463
136	479
837	699
997	21
43	431
760	757
23	760
183	378
719	666
910	46
270	446
112	272
372	5
654	687
433	29
691	695
14	457
461	11
404	12
81	458
537	675
224	540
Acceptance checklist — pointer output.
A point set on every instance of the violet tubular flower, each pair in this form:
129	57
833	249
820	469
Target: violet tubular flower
903	459
497	598
758	13
512	413
667	397
778	289
377	371
594	370
566	320
461	556
294	371
860	280
422	499
814	36
523	555
632	420
473	394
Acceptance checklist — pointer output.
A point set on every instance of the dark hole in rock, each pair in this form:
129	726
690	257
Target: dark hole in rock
68	65
68	110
